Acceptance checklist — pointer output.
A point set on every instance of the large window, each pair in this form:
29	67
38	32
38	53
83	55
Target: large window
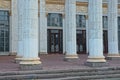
4	31
119	23
80	21
54	20
105	22
119	33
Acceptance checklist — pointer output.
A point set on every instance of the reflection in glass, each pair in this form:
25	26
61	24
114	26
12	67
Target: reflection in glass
54	19
4	31
81	21
105	22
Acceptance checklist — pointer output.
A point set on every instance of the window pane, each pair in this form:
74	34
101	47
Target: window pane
80	21
1	12
105	22
118	22
54	19
4	31
1	17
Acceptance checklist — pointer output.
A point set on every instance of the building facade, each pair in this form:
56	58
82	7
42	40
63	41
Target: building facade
29	27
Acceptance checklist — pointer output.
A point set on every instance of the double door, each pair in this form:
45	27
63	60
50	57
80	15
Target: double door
81	41
55	41
105	41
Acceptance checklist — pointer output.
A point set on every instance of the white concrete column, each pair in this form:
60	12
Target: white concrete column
30	58
13	28
113	29
95	32
64	35
43	28
19	29
87	47
70	32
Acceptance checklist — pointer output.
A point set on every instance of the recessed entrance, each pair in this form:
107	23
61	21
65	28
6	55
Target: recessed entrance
81	41
55	41
105	41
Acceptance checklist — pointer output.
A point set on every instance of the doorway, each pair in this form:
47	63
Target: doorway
81	41
55	41
105	41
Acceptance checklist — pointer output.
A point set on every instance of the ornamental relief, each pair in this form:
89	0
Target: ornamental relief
82	9
54	8
4	4
105	10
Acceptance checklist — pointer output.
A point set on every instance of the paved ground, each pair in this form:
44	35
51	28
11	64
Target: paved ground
50	62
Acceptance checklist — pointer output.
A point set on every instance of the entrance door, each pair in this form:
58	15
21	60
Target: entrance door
4	31
55	43
105	41
81	41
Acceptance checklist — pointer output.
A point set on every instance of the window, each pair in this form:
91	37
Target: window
119	23
105	22
4	31
54	20
81	21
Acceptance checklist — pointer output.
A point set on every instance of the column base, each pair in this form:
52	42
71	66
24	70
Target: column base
113	57
18	59
96	62
12	53
42	53
30	64
71	58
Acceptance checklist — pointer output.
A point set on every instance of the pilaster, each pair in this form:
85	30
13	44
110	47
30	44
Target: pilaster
43	28
13	28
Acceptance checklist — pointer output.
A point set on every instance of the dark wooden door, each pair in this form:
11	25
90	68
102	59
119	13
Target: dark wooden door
55	43
81	41
105	41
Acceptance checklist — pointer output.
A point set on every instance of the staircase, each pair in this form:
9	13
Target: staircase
106	73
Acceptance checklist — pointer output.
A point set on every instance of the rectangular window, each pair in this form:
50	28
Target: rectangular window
54	20
105	22
81	21
4	31
119	23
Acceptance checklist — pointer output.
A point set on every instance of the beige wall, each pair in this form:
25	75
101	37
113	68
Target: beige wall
4	4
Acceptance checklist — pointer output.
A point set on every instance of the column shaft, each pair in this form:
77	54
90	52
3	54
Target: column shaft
13	28
70	32
43	28
19	32
95	32
112	28
30	58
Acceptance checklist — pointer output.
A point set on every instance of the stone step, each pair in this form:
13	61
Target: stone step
58	71
93	77
71	74
61	75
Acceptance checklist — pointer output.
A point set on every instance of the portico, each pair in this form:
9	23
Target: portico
66	26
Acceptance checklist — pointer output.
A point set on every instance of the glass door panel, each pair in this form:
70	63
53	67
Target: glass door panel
105	41
81	41
55	41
